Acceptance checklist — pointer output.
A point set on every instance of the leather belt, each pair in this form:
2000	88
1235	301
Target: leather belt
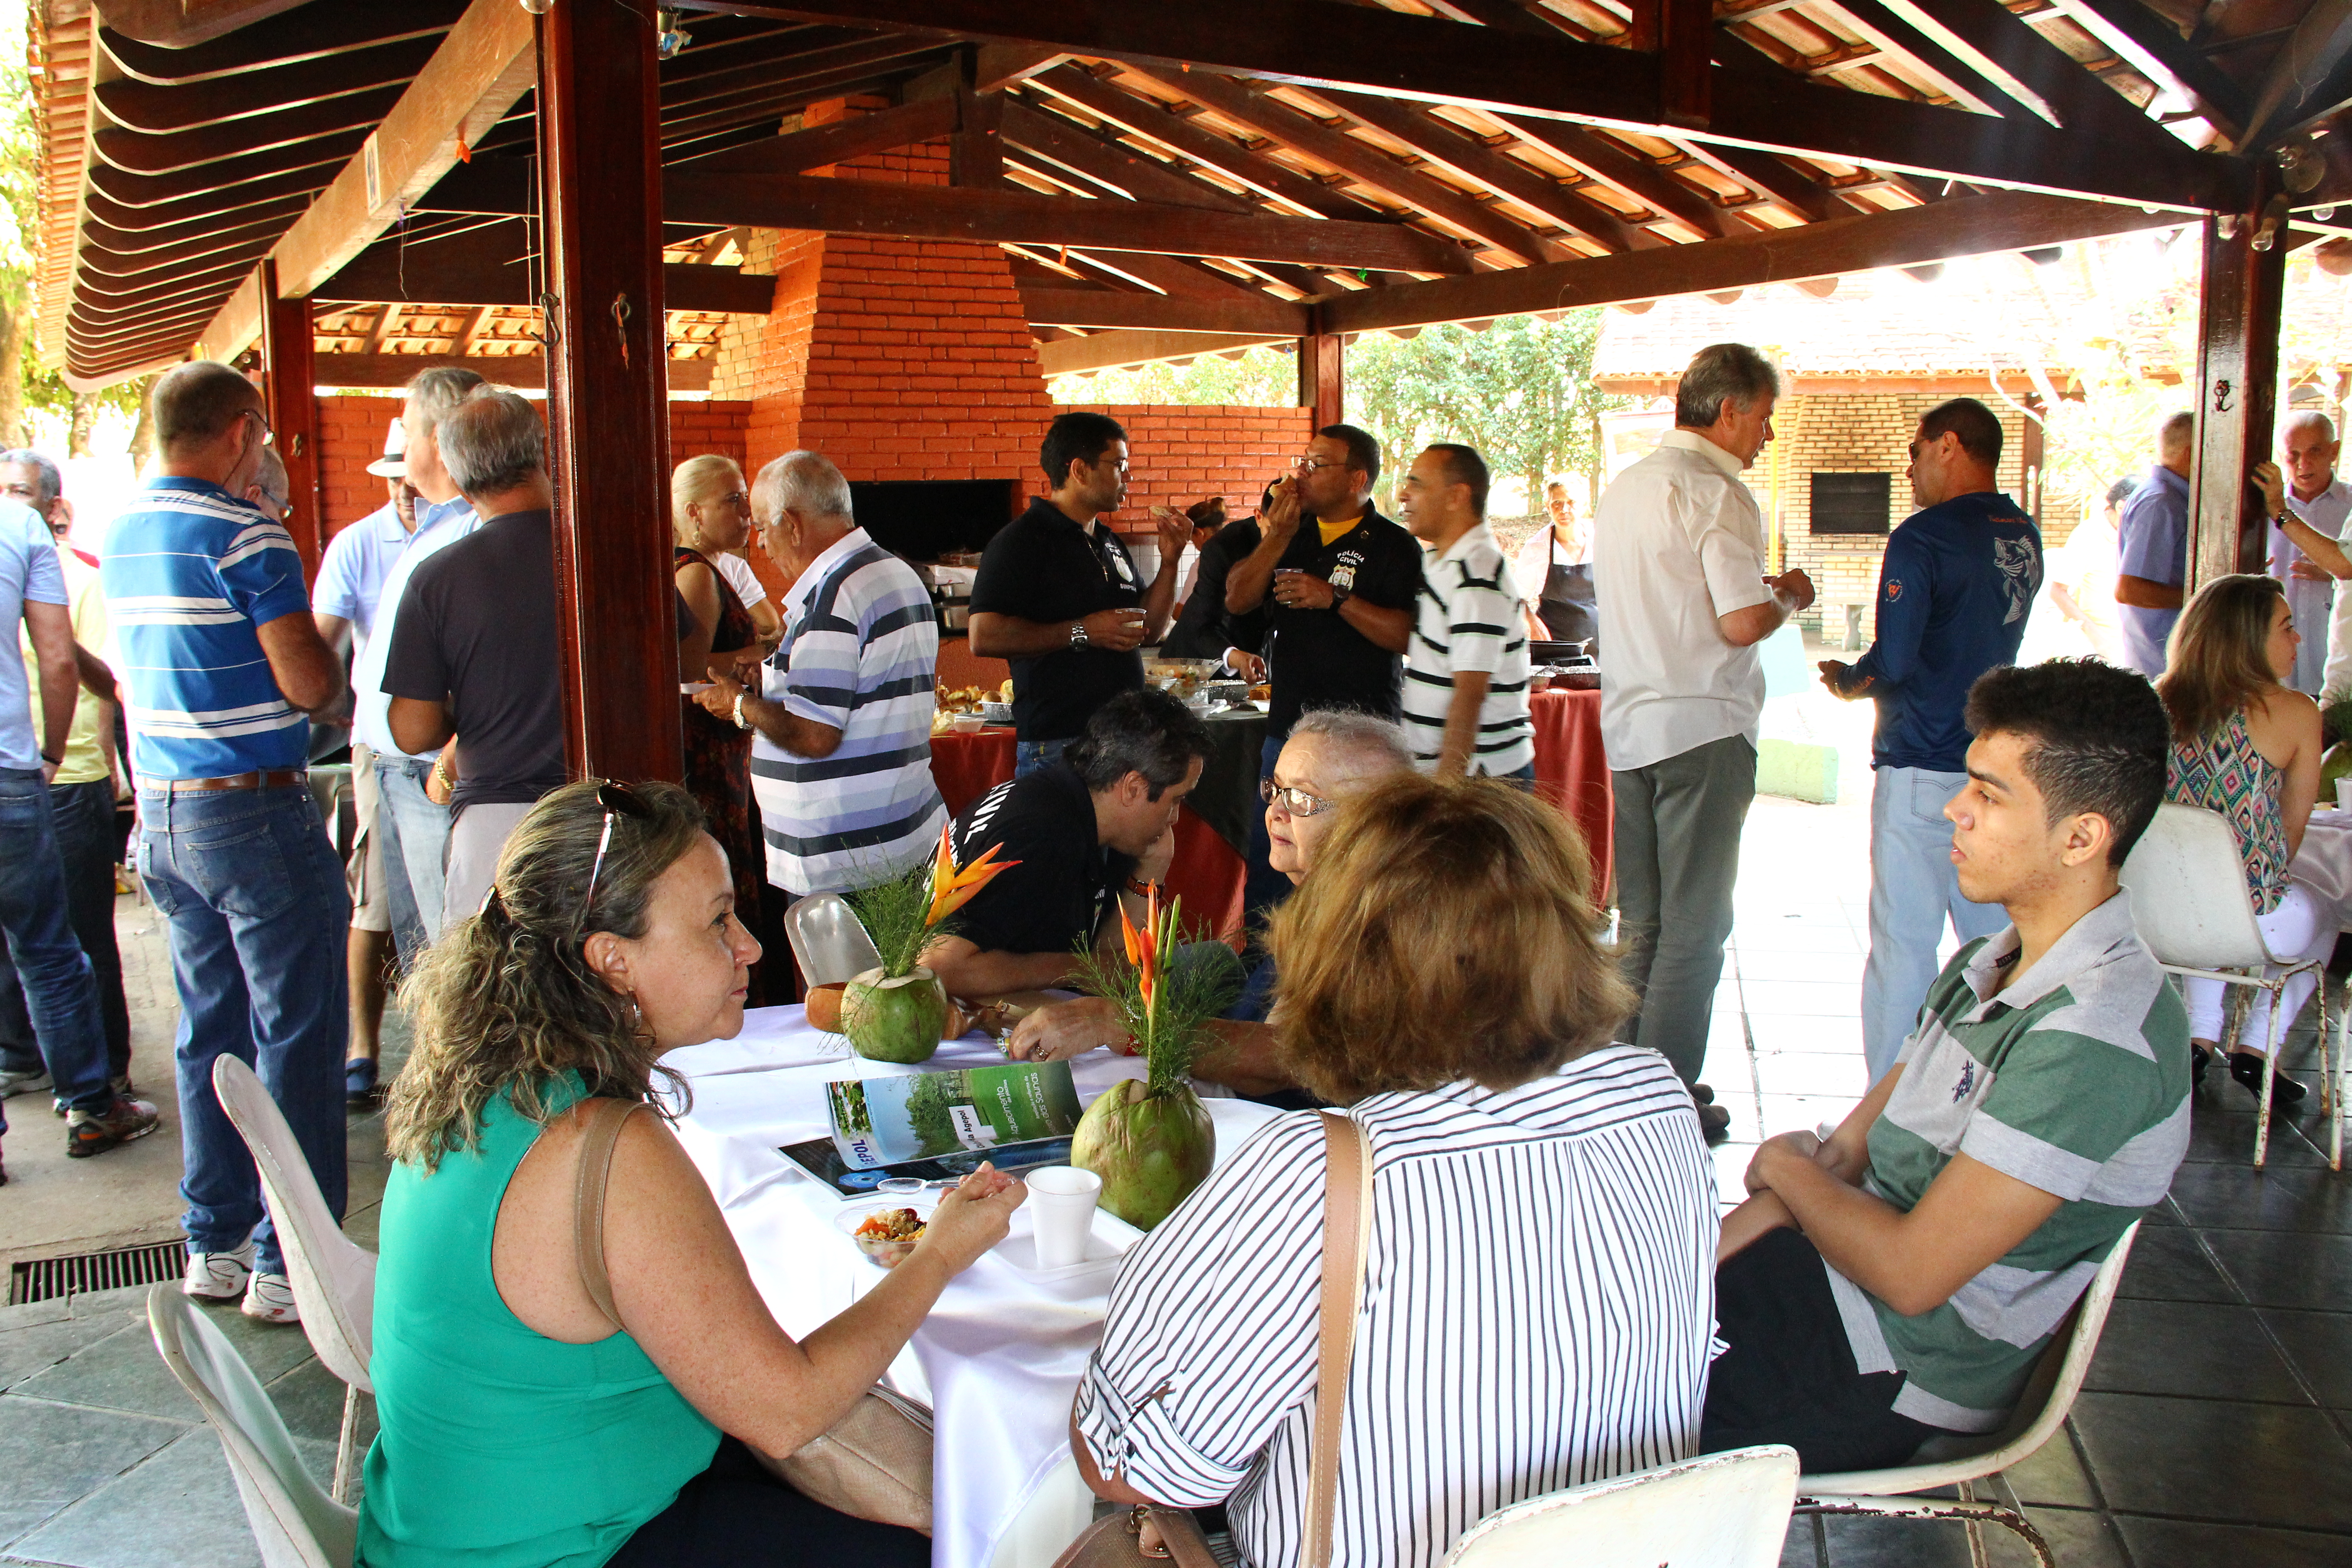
275	778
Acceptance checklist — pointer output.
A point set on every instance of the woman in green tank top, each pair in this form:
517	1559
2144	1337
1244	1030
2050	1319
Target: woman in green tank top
520	1426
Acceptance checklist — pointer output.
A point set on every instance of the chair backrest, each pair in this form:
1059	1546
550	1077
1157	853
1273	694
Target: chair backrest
828	939
2049	1395
2187	889
295	1523
1725	1510
332	1276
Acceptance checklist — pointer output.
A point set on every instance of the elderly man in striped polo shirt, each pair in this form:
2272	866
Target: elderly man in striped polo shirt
841	747
224	666
2041	1103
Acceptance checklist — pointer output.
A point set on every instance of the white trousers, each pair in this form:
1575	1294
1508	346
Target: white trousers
2296	932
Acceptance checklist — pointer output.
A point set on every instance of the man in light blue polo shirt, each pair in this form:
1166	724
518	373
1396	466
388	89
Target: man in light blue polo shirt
414	825
2152	542
61	993
222	667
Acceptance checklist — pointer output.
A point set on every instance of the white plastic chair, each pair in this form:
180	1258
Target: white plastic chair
2188	891
828	939
333	1276
1960	1462
294	1523
1724	1510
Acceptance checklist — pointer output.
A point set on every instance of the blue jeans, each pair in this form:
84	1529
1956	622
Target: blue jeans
260	917
416	839
1030	755
82	817
1914	888
34	905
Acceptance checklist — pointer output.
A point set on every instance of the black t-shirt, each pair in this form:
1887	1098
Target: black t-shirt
1065	885
477	626
1207	628
1044	568
1315	658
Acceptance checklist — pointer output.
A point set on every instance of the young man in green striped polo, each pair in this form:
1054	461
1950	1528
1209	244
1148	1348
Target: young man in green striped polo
1901	1280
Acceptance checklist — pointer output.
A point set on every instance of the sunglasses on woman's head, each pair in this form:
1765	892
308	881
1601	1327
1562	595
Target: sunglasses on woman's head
618	799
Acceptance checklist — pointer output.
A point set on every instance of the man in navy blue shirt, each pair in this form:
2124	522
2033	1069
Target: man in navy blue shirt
1954	591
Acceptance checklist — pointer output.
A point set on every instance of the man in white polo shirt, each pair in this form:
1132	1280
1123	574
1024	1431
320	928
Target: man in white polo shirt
1679	571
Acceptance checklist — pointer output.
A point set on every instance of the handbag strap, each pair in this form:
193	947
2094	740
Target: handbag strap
1347	1231
597	1142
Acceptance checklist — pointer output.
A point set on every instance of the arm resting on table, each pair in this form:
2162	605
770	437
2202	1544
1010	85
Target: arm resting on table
976	973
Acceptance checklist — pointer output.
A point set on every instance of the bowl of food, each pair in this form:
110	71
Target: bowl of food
969	723
885	1232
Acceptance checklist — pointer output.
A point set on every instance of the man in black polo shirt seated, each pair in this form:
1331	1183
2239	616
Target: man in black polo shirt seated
1058	596
1340	582
1093	825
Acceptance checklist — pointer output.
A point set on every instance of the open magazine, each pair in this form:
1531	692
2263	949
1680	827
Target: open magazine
942	1125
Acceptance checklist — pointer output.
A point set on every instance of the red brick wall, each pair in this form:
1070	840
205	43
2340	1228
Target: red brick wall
351	430
1181	454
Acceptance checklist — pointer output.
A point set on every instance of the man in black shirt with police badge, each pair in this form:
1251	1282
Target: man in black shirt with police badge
1339	580
1058	596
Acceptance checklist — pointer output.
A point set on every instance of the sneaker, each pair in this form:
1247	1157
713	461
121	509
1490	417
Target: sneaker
358	1081
126	1118
121	1086
270	1300
25	1080
217	1275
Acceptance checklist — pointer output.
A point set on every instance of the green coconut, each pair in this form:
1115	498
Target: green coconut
894	1019
1150	1148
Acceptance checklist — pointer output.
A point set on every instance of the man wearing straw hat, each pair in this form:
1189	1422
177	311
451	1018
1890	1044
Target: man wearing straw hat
350	589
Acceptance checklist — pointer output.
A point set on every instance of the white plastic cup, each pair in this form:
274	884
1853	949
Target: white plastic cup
1062	1200
2343	795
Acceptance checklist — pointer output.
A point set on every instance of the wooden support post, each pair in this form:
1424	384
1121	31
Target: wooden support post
290	393
599	145
1321	384
2237	383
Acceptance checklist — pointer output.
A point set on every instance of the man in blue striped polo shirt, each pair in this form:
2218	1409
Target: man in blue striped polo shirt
223	667
841	747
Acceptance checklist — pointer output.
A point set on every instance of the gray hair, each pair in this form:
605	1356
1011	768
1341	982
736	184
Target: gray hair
271	480
46	476
805	482
493	442
433	396
2174	435
1718	373
2301	419
1373	739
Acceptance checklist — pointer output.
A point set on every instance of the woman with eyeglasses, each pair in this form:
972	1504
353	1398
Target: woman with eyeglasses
1332	755
710	514
520	1425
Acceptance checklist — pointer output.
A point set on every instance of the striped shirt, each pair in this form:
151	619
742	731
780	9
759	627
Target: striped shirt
189	573
1466	618
859	649
2072	1078
1540	1305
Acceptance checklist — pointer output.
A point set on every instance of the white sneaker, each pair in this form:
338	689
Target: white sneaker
270	1300
217	1275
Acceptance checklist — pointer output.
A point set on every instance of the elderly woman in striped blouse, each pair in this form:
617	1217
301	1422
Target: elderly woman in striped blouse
1538	1296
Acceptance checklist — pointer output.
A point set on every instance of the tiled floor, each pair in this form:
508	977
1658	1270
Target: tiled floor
2216	1429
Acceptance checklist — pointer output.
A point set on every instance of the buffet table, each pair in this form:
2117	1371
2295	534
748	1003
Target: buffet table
1000	1356
2324	863
1213	830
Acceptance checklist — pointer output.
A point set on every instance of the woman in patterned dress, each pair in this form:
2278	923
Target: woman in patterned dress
2246	745
710	511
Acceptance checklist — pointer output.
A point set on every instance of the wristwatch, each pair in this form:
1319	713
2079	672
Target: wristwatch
1077	634
740	723
1338	598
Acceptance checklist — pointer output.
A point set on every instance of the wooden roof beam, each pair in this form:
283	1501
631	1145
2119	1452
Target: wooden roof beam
2312	75
1623	171
1159	313
485	63
2157	51
1131	174
312	32
2080	99
1119	350
821	146
1964	225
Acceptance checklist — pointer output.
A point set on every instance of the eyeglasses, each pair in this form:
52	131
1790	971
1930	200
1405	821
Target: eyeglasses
267	435
618	799
1311	464
1293	802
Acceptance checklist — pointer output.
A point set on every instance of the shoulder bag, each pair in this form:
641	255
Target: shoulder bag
874	1463
1117	1540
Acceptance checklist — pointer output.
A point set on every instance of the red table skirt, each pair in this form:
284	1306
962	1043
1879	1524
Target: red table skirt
1572	771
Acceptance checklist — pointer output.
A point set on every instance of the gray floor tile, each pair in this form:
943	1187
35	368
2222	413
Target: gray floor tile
2223	1131
2229	1195
2079	1537
309	1399
1802	1548
179	1509
34	1349
2179	1543
124	1372
2275	1271
2194	1349
2054	1475
2216	1459
2166	1265
51	1454
2319	1345
1863	1542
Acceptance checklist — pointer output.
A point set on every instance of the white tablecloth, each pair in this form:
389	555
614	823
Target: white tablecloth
2324	863
999	1358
